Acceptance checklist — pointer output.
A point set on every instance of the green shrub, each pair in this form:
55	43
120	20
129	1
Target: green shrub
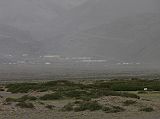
68	107
88	105
147	109
25	105
7	103
41	103
128	85
100	93
53	96
107	109
74	93
116	109
10	99
1	89
129	102
50	106
21	87
113	109
77	102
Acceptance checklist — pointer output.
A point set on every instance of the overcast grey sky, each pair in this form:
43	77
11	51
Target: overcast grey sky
101	28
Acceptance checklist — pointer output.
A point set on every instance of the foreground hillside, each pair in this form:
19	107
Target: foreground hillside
62	99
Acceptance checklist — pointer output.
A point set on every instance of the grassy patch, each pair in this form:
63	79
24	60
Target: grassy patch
21	99
26	98
74	93
128	85
87	95
142	92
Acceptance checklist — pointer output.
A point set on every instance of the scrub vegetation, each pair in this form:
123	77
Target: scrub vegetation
84	96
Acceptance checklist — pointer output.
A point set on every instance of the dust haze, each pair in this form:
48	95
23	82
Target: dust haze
80	33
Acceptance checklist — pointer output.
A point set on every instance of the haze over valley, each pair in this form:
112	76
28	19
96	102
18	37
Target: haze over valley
102	33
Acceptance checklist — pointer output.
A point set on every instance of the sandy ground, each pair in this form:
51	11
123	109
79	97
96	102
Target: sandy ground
53	114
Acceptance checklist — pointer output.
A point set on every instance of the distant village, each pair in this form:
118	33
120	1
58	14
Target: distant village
9	59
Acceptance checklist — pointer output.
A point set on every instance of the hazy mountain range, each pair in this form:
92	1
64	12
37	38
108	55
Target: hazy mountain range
112	29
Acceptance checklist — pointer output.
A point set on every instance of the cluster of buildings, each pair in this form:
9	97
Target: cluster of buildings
52	59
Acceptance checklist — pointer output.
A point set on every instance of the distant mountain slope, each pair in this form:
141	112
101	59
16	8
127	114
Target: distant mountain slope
134	38
91	14
26	25
36	16
17	42
96	12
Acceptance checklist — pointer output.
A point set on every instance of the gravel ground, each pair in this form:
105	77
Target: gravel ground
42	114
